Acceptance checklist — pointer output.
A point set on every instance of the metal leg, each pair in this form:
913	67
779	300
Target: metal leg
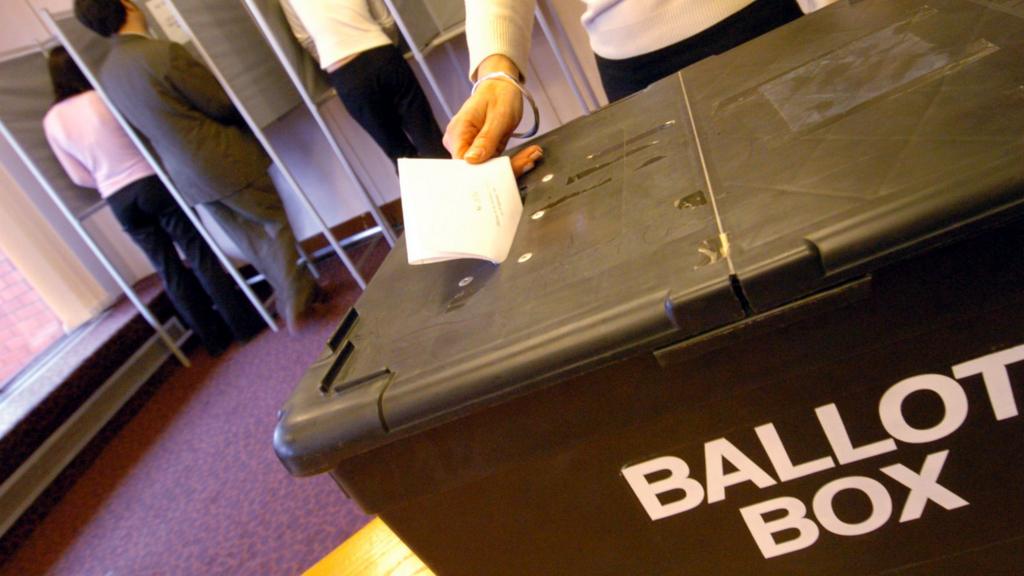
305	259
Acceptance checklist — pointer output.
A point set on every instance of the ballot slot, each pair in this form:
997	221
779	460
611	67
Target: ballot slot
343	330
336	367
341	348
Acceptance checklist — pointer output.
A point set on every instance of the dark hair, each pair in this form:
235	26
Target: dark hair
104	17
65	75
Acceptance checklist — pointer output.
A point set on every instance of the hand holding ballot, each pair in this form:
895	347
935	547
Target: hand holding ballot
453	209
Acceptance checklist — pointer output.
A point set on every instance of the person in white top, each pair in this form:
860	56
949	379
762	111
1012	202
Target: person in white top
635	42
96	153
352	41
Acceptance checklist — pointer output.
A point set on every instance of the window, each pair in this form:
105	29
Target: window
27	325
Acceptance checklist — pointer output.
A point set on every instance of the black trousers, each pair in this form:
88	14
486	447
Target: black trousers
624	77
205	296
380	91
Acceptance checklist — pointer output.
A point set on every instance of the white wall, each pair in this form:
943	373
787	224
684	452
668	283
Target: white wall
39	252
19	28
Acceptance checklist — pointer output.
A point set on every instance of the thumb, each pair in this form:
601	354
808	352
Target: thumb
488	142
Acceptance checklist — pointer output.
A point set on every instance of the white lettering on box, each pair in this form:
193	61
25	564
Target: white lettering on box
997	380
924	486
716	453
881	505
954	402
832	424
795	519
783	464
791	526
647	492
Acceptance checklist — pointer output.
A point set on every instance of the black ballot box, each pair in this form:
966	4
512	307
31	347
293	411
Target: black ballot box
765	317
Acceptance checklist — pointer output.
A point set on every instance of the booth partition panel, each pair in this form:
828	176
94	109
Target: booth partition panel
243	61
270	19
25	97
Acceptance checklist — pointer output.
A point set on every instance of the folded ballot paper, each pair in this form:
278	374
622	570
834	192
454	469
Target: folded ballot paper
454	209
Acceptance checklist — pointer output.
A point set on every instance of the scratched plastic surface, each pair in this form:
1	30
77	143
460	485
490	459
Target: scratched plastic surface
855	134
871	130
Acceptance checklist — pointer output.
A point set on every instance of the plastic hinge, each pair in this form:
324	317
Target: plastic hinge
327	383
362	380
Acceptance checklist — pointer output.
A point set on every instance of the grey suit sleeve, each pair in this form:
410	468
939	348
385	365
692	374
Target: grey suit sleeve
198	85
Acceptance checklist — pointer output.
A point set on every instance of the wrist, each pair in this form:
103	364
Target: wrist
498	63
501	77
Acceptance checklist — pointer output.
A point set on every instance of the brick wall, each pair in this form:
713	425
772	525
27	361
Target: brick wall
27	326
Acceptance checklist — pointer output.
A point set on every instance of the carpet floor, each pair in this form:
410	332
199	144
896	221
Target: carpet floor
186	480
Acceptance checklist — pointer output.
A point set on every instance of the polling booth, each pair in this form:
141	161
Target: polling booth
26	95
311	85
432	25
764	317
261	91
88	50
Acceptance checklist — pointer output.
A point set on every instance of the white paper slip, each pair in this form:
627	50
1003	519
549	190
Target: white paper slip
453	209
168	23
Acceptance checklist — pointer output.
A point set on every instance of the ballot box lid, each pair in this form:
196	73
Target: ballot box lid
608	257
864	133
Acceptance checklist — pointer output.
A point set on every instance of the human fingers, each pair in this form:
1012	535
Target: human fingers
464	126
524	160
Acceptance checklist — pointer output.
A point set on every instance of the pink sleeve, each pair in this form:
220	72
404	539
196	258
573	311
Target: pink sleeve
76	171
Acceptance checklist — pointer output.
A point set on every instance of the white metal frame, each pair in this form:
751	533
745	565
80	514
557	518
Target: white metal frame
420	59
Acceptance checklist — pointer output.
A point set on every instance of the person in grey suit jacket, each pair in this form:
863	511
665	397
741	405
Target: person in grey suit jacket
201	139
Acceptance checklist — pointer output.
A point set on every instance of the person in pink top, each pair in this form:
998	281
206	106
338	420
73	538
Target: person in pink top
96	153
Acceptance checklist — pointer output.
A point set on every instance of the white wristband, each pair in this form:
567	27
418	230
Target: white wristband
522	89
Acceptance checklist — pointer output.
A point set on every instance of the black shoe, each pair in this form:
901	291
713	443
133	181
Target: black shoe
249	330
217	348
